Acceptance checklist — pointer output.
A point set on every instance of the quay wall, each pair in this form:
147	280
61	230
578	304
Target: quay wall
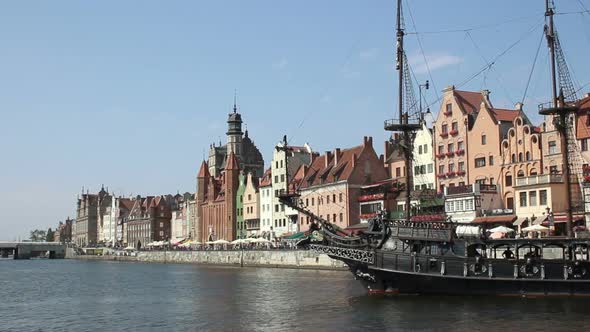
302	259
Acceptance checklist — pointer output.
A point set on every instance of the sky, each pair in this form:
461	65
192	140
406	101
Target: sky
130	94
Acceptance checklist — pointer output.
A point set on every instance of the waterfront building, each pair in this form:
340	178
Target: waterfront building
104	214
88	208
286	160
475	203
331	185
216	201
251	206
240	224
149	221
63	232
521	156
122	214
423	159
266	197
394	159
180	223
247	154
451	134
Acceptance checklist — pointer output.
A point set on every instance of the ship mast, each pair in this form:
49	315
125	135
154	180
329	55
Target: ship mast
559	110
406	101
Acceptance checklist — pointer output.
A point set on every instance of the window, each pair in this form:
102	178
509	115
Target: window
480	181
161	224
276	208
282	177
469	205
441	169
281	164
542	197
520	174
520	157
528	156
492	180
532	198
341	217
340	195
276	179
552	147
398	172
460	145
420	149
460	205
508	180
312	201
425	148
484	140
449	109
491	160
450	206
276	164
553	170
584	144
454	126
451	147
334	217
161	233
249	197
430	168
523	199
282	207
441	149
513	158
327	199
480	162
328	217
445	128
461	184
461	166
451	167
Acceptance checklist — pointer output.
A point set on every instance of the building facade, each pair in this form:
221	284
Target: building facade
331	185
423	159
266	198
285	162
251	207
149	221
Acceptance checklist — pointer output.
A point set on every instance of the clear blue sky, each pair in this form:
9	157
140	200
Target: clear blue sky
131	93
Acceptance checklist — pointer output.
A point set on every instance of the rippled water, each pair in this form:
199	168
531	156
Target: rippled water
69	295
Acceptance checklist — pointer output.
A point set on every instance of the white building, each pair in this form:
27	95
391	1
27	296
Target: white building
265	201
109	223
423	160
282	220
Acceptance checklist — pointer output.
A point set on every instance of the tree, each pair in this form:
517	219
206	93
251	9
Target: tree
37	235
50	235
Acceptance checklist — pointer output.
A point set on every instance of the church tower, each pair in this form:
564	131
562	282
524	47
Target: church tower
234	133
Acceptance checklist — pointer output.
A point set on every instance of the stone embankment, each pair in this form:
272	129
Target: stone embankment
300	259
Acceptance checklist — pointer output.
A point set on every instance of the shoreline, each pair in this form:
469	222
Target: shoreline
287	259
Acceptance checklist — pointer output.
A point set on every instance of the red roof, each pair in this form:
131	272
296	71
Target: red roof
321	172
504	114
204	170
266	179
469	101
495	219
232	162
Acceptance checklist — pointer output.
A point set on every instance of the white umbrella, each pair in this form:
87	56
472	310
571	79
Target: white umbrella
261	240
130	248
536	228
501	229
238	241
220	242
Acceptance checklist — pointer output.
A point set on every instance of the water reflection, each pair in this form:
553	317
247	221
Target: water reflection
89	296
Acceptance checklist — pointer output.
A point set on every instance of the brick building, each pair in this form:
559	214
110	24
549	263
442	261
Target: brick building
149	221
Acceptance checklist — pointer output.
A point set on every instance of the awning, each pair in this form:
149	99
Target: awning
429	217
520	220
495	219
563	218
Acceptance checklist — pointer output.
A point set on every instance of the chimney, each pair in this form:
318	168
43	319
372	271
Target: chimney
353	160
381	159
518	106
449	88
327	160
336	156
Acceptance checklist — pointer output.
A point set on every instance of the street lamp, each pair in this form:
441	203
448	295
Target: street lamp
420	86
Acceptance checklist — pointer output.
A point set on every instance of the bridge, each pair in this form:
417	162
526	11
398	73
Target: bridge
26	250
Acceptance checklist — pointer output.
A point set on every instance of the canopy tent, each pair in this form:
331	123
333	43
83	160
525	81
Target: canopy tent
260	240
296	236
501	229
536	228
217	242
465	230
497	235
130	248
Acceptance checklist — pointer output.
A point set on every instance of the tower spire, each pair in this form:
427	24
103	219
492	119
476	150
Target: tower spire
235	100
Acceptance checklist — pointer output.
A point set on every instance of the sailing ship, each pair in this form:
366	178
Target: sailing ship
408	256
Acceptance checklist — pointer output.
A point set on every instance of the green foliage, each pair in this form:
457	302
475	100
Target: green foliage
49	236
38	235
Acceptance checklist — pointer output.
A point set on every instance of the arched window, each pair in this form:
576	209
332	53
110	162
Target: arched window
528	155
520	174
513	158
533	172
520	157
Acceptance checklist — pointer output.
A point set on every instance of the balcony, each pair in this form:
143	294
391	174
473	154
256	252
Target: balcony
447	113
460	173
539	179
475	188
460	152
451	174
444	134
450	154
454	132
371	197
440	155
441	176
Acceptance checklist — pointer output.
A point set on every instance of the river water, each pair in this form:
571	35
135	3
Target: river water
70	295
